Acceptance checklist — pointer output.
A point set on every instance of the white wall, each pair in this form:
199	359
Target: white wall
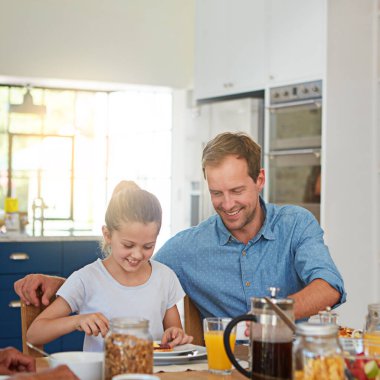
123	41
349	187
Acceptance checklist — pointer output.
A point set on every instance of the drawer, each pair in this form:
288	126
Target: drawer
10	307
10	315
30	257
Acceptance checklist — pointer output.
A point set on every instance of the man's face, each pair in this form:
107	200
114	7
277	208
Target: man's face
234	194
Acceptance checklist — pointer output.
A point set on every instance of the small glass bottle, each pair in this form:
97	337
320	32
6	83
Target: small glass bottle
128	347
317	353
327	316
372	330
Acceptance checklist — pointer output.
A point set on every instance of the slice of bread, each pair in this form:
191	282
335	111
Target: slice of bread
162	347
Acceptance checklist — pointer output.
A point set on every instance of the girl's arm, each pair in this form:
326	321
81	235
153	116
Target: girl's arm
173	331
56	321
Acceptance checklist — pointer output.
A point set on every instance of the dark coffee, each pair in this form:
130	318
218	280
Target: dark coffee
271	360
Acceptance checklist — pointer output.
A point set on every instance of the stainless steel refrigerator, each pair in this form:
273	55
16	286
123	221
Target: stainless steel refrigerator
232	115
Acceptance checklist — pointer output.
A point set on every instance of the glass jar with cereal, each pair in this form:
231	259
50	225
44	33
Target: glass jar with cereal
317	353
128	347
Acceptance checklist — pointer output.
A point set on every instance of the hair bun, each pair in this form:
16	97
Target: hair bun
125	185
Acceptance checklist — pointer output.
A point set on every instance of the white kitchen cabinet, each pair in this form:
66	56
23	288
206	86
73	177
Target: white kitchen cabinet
248	45
231	50
296	40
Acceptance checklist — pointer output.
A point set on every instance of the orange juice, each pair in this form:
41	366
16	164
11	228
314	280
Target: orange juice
372	346
216	354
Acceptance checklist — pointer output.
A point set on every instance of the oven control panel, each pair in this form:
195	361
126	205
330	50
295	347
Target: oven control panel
296	92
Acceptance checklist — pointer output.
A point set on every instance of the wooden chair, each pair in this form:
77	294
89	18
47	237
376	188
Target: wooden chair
28	314
193	321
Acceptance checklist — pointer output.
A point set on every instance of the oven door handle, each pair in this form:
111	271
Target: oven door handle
315	103
316	152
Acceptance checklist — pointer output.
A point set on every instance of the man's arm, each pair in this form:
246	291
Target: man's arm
313	298
32	286
12	361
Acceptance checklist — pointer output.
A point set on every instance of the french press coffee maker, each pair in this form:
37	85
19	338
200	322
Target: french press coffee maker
270	339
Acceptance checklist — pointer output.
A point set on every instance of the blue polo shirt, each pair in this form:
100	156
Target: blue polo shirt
221	274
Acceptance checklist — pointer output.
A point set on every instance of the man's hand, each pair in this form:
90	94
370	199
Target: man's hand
61	372
28	288
12	361
175	336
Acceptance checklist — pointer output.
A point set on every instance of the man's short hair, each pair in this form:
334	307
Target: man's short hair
238	144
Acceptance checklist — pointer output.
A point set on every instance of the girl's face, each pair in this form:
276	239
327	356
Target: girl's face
132	245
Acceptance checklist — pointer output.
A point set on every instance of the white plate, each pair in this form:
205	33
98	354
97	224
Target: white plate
177	350
196	353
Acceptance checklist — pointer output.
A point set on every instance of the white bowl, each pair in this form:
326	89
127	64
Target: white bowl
135	376
86	365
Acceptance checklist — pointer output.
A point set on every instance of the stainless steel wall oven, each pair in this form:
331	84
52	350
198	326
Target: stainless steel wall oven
294	145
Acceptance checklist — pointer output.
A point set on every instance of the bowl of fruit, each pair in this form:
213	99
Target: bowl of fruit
362	358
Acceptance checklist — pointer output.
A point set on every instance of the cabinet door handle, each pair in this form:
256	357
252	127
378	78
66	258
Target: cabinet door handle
15	304
19	256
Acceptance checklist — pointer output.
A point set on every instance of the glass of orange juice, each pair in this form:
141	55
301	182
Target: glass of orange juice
372	330
217	359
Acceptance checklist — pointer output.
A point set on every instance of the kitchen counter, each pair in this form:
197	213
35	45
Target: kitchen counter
4	238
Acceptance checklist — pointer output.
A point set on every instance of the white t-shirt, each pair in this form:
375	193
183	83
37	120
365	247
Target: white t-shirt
93	289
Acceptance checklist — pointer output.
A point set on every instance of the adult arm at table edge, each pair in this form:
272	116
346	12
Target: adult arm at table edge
62	372
313	298
34	287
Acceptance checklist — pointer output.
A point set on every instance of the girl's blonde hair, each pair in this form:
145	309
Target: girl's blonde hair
129	203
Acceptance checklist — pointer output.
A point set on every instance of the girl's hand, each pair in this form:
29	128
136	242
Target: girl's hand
175	336
93	324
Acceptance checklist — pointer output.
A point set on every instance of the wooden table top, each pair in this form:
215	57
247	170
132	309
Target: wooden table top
241	352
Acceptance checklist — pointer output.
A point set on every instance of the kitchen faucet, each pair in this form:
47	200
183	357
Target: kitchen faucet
38	204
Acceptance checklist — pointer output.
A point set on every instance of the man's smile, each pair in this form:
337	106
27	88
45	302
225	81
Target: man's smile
232	213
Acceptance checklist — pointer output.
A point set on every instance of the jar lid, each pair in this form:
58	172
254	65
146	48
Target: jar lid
129	322
314	329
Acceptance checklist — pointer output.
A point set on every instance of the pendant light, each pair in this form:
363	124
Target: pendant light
28	106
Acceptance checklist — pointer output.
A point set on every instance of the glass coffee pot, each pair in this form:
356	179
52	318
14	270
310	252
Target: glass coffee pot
270	339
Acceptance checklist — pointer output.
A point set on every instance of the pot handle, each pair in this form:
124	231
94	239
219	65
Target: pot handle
226	341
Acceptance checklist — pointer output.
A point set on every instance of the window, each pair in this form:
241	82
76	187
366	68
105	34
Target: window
64	164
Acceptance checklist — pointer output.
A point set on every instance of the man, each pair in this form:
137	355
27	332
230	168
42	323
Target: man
247	247
21	366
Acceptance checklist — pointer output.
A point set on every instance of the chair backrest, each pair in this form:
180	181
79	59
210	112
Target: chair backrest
28	314
193	321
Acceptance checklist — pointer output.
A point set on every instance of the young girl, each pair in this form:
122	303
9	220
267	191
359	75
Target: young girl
126	283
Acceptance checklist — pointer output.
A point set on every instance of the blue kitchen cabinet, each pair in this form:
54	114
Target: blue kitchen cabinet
30	257
17	259
78	254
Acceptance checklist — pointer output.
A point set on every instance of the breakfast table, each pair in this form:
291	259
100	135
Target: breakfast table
241	352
